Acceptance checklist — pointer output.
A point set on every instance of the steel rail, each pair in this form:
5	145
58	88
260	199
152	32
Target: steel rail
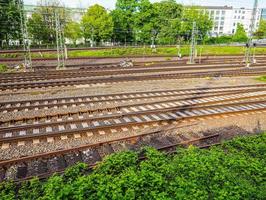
223	109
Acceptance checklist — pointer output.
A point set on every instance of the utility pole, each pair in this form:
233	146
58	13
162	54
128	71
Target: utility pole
92	36
25	36
60	42
153	47
248	56
193	44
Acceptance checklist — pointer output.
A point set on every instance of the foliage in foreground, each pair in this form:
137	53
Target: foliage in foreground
3	68
262	78
236	170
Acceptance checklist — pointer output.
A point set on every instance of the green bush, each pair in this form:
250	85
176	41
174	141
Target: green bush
3	68
219	40
234	170
262	78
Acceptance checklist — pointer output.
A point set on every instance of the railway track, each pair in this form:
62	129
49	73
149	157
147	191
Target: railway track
108	121
45	164
101	71
129	78
121	98
53	75
180	107
115	64
129	56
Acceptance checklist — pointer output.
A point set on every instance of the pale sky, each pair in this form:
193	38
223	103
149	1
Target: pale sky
110	3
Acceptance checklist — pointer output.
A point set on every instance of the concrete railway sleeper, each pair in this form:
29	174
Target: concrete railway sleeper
101	66
106	80
82	73
106	100
44	165
99	125
134	107
97	71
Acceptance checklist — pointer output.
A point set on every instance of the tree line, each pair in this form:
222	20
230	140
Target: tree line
132	22
9	21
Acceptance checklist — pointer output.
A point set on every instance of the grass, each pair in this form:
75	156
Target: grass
145	51
262	78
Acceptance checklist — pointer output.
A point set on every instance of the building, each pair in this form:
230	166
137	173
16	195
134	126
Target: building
263	13
75	13
226	19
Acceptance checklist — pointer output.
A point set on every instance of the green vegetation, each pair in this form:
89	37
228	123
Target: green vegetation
240	34
145	51
262	78
234	170
3	68
97	24
163	51
131	22
9	21
261	32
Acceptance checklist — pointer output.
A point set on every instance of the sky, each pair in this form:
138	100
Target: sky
111	3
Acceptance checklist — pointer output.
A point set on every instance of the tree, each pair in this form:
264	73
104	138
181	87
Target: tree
10	21
169	18
145	23
240	34
97	24
123	17
195	14
73	31
261	32
41	25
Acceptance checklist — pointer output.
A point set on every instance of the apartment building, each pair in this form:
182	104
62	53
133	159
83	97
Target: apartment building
263	13
75	13
226	19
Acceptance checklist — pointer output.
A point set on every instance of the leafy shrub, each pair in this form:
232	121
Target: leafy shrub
3	68
235	170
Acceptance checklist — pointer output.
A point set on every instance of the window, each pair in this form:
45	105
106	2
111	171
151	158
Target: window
217	12
238	17
235	17
233	31
222	23
222	18
243	17
212	12
223	12
216	18
234	24
244	12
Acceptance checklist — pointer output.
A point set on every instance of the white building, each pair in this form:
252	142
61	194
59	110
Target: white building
226	19
75	13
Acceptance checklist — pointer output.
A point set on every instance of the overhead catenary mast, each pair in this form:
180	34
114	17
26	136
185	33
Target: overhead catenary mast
60	42
248	56
25	36
193	44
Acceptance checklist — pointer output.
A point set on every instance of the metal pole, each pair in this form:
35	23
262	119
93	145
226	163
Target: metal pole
92	36
193	44
248	56
25	36
60	42
57	40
